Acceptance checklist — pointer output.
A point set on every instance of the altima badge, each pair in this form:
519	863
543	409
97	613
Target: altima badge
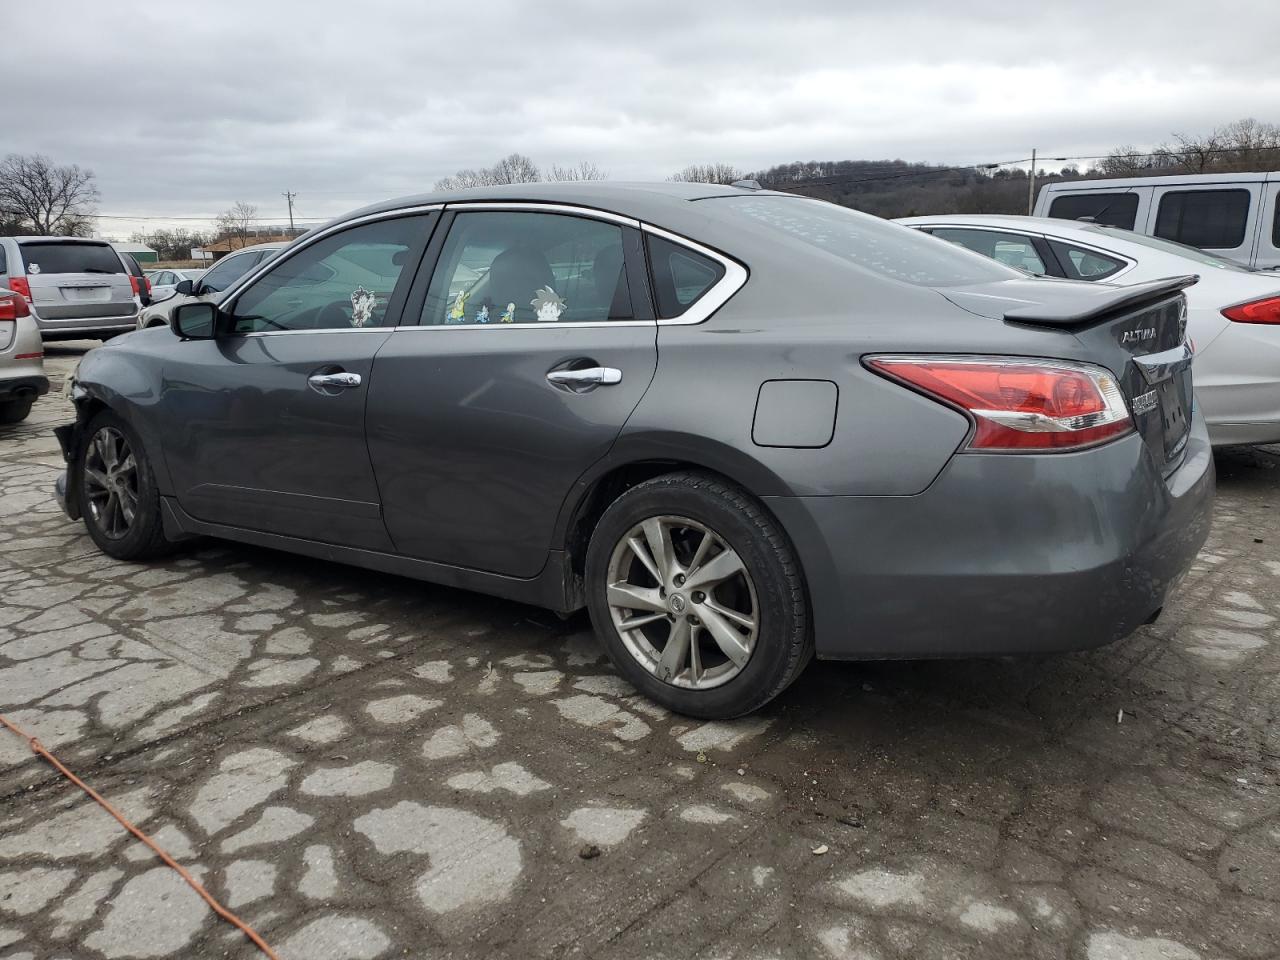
1141	333
1144	402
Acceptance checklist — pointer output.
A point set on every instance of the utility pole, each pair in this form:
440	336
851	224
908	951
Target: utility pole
1031	185
289	197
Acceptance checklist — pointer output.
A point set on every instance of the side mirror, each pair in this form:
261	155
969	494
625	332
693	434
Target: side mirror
184	287
195	321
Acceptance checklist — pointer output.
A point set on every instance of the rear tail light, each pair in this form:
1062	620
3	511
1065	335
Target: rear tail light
1017	403
20	285
135	286
13	307
1256	311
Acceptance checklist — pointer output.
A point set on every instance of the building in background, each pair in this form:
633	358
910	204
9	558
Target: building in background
139	251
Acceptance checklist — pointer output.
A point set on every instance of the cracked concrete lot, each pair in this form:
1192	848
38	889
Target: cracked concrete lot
363	766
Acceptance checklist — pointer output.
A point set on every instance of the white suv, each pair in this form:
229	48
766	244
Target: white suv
210	284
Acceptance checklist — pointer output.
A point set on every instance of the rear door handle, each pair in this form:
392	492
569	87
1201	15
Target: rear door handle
329	381
586	378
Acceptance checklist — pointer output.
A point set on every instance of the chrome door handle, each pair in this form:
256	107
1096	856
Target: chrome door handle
586	377
330	380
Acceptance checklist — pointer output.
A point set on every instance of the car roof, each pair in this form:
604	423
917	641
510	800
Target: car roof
59	239
660	202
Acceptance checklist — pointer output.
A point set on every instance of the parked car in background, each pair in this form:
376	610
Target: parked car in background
740	427
1233	313
210	284
75	288
164	283
1234	215
137	280
22	376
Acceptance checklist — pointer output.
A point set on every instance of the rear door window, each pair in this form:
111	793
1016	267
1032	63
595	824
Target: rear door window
1213	219
1112	209
53	256
501	266
1081	264
1011	249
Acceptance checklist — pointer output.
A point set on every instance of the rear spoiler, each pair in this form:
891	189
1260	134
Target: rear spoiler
1095	302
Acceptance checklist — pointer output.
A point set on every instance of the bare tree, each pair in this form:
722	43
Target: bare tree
235	223
514	168
47	198
173	244
709	173
585	170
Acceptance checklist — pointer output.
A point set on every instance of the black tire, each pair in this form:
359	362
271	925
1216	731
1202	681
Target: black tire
783	644
15	411
144	539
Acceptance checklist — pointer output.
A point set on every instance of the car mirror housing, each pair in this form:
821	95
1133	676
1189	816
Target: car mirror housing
184	287
195	321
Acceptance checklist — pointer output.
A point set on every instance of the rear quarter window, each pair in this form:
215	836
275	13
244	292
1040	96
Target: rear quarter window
1081	264
889	249
1112	209
44	256
680	275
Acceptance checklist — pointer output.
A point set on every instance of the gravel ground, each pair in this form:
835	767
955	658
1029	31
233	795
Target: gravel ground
364	766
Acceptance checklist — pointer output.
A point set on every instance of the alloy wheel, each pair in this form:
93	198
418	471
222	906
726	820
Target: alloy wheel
683	602
111	482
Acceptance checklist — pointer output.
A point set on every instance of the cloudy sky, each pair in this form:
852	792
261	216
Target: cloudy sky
181	111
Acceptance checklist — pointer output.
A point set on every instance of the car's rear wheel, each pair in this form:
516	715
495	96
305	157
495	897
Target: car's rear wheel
15	411
117	490
697	595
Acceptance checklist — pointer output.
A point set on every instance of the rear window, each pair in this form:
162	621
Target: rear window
1178	249
888	249
1204	218
1111	209
44	256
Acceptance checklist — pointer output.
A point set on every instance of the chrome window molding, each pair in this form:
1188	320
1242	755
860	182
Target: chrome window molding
735	277
569	325
282	333
530	207
228	301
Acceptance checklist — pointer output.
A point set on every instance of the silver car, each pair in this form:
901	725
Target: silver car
209	284
75	288
164	283
22	377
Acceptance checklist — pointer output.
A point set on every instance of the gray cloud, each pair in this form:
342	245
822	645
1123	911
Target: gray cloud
181	112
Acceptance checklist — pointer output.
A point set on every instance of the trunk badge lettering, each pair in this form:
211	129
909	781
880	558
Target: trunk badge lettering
1144	402
1141	333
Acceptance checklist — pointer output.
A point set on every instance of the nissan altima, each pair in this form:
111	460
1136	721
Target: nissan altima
741	428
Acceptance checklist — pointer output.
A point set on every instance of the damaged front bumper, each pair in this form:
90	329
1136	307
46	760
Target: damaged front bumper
69	440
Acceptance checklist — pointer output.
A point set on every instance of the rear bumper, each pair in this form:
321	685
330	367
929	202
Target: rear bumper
18	388
80	327
1003	554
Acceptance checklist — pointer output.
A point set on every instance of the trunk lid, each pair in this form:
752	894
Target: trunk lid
1137	332
74	278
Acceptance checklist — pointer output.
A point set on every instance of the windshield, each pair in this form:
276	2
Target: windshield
889	249
1168	246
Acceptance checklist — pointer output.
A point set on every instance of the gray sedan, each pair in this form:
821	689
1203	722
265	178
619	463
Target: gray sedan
741	428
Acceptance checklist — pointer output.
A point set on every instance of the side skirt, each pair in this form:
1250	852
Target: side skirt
553	588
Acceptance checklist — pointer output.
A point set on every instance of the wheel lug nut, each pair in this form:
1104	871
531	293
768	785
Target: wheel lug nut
679	579
699	596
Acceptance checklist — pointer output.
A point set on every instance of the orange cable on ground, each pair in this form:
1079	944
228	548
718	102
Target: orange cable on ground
38	748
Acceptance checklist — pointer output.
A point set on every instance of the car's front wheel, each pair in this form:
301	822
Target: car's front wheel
697	596
117	491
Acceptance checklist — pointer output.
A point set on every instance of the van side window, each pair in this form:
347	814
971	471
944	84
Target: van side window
1275	236
1215	219
1110	209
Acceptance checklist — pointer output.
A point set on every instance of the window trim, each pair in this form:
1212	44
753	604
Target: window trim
717	295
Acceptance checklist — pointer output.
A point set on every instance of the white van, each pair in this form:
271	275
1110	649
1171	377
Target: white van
1234	215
